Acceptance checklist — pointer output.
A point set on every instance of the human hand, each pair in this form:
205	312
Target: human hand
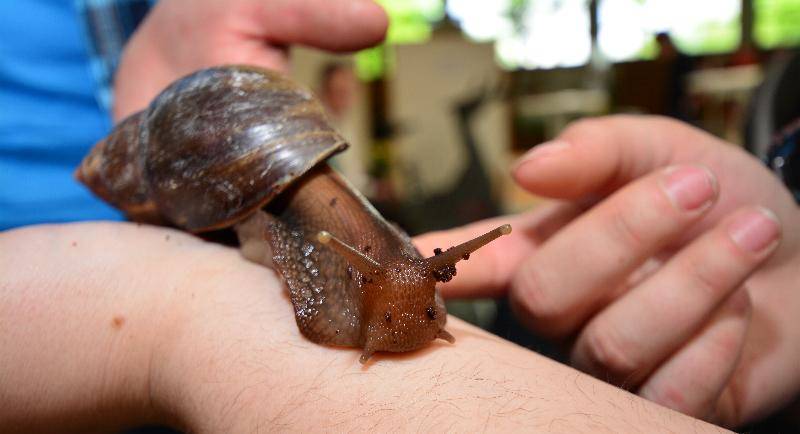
689	300
110	325
181	36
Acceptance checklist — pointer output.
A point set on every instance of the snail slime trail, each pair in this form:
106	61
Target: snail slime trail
243	147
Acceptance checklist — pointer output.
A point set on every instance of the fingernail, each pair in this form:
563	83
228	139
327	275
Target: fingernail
755	230
542	150
690	187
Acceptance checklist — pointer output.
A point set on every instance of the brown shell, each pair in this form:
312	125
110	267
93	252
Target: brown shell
212	147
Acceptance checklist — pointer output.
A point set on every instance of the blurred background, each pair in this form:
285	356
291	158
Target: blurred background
461	88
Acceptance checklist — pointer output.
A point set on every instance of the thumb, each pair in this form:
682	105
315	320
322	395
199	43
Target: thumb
594	157
178	38
335	25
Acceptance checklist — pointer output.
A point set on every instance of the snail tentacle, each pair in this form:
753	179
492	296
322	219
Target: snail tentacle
462	251
363	263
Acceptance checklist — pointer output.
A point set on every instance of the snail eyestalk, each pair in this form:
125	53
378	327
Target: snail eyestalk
364	264
462	251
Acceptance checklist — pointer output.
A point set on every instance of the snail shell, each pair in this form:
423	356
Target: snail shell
212	148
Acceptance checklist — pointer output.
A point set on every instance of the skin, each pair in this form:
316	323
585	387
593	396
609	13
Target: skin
653	296
174	330
181	36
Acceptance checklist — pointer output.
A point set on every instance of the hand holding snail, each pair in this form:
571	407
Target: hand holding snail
245	148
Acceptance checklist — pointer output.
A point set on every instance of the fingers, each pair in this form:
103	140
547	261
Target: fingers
627	340
488	271
179	37
336	25
692	380
598	155
556	289
630	337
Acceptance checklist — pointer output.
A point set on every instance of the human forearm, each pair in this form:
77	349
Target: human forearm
247	367
481	382
208	343
79	316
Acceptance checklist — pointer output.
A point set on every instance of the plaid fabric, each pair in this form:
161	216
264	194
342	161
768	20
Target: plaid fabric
108	24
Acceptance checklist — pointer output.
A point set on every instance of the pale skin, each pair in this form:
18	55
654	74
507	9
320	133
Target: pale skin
181	36
108	325
689	300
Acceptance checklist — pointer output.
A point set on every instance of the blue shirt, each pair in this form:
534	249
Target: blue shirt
55	70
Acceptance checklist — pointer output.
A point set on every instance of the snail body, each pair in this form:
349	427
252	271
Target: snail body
244	147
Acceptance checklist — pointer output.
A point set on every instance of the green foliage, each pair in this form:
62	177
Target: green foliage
373	63
711	37
777	23
409	23
649	50
410	20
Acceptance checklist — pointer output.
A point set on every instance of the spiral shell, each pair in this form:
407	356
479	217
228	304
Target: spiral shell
211	148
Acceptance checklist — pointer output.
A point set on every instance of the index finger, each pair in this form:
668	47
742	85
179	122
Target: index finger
489	270
335	25
599	155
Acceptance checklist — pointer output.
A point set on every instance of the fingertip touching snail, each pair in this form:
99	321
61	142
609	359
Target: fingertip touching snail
243	147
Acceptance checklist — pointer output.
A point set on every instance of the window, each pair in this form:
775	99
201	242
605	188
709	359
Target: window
528	34
627	28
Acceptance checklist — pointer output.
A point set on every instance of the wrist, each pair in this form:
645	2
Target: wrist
81	307
220	342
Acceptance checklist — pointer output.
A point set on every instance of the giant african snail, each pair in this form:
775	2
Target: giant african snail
245	147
